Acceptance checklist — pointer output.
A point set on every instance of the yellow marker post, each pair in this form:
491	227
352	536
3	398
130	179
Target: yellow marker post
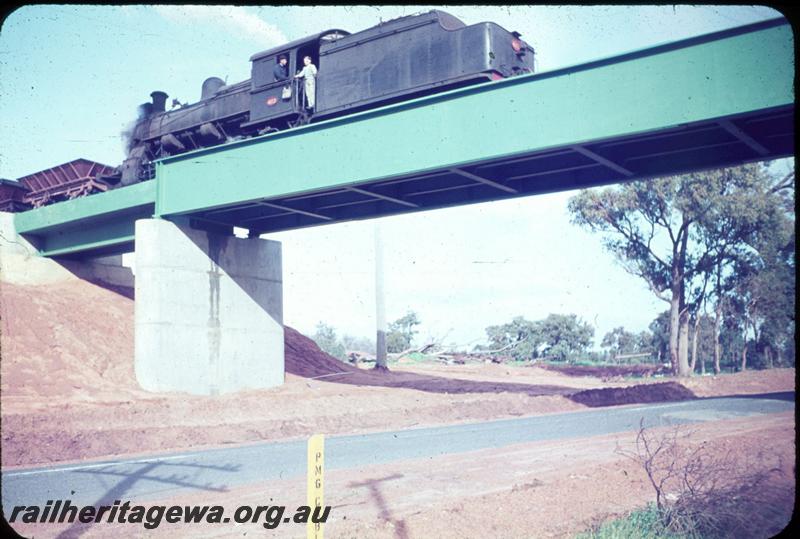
316	467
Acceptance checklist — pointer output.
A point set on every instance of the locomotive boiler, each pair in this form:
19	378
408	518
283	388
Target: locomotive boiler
394	61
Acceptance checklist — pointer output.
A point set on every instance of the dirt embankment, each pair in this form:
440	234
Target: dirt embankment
62	342
69	390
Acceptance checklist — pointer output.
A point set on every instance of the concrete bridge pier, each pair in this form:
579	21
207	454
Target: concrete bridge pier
209	310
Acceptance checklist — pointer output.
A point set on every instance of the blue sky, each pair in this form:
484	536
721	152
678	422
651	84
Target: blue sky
71	78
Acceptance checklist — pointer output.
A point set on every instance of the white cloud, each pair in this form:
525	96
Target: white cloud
232	19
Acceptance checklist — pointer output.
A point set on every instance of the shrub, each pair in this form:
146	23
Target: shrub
700	493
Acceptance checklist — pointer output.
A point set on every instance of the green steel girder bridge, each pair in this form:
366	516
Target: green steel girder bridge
715	100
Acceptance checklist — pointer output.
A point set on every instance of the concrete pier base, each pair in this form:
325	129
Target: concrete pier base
209	310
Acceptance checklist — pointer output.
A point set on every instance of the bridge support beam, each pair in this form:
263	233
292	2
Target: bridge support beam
209	310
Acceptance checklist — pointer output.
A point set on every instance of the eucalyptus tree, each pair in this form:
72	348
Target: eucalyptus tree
682	235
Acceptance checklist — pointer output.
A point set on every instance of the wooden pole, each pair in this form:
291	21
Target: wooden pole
380	304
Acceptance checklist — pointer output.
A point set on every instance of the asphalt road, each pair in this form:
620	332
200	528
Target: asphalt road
167	476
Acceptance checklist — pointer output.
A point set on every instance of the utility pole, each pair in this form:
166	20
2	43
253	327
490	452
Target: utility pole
380	305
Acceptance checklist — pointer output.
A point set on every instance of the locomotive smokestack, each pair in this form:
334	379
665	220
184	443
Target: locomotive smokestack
159	101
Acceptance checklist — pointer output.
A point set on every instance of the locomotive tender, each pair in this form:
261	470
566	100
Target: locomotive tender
394	61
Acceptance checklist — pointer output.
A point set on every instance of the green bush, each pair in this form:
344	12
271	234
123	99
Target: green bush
643	523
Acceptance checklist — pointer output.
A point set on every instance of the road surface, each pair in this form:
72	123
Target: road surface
168	476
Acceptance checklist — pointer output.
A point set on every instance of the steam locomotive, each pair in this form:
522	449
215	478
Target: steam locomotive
394	61
397	60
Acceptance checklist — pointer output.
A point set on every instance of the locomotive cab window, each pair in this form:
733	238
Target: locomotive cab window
281	68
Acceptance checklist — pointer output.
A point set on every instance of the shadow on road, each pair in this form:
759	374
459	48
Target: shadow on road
129	479
384	512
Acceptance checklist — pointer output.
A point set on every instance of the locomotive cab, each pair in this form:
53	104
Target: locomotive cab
269	102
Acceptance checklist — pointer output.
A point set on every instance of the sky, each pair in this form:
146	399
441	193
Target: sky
71	78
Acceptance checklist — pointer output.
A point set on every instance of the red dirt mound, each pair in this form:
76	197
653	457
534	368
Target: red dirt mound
611	396
70	339
304	358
